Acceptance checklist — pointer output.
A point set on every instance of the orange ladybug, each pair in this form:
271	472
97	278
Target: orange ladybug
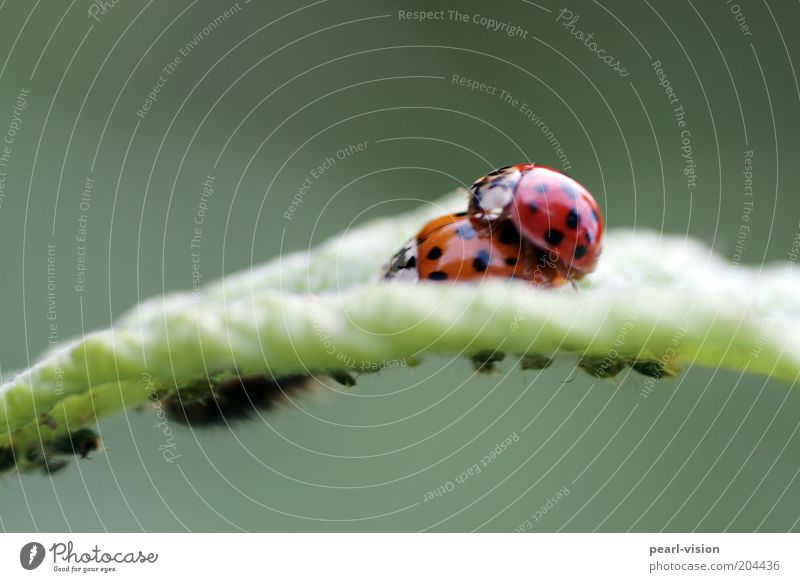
458	247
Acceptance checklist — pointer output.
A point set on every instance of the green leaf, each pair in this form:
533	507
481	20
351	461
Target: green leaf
655	303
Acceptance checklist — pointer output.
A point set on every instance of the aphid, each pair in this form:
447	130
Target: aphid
50	465
7	460
485	360
344	378
80	443
601	367
535	362
233	399
652	368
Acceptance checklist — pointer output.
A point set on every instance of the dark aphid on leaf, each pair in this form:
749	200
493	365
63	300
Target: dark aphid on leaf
7	459
234	399
79	443
652	368
601	367
535	362
37	457
46	419
52	465
484	361
344	378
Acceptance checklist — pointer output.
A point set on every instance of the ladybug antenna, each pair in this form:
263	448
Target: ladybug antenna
575	285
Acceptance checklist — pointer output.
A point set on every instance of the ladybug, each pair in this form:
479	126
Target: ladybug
458	247
550	210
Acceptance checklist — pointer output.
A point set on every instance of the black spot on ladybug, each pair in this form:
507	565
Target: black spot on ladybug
533	207
509	234
460	214
481	261
596	218
466	232
569	189
411	263
554	237
511	261
434	253
438	276
573	220
580	252
541	188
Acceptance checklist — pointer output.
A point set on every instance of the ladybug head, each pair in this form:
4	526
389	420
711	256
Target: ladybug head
491	195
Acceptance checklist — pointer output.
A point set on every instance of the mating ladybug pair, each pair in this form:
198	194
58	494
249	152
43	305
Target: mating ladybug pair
526	221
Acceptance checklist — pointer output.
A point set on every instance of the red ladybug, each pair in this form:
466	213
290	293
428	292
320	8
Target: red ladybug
457	247
552	211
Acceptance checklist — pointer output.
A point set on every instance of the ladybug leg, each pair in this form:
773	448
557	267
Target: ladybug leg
487	216
529	258
538	269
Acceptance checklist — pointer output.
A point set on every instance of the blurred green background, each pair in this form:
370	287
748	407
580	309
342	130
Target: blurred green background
264	96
